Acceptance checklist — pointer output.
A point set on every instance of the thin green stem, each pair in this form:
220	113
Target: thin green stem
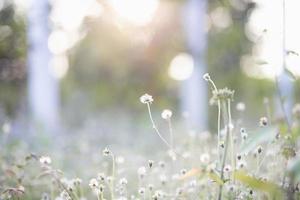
219	130
225	120
219	120
231	139
113	177
155	128
171	133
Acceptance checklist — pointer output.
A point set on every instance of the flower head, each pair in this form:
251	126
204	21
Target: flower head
45	160
123	181
263	121
221	94
106	151
206	77
93	183
166	114
146	98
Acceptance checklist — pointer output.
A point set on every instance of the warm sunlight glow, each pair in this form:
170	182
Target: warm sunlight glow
181	67
59	66
69	14
138	12
58	42
265	30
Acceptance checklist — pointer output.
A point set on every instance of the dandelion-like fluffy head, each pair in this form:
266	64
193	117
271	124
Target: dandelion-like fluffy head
146	98
166	114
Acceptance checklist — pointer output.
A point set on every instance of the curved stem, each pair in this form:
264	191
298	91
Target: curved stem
155	128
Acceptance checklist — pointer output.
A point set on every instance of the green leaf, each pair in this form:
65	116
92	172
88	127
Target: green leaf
259	136
215	178
265	186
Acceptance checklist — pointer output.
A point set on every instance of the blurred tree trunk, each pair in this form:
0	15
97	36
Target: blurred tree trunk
194	89
42	85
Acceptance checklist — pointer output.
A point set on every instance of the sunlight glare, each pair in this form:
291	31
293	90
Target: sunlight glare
265	30
181	67
138	12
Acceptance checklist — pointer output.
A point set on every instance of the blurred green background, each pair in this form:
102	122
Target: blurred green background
112	63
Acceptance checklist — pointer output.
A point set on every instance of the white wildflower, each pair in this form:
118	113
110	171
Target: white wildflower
146	98
45	160
206	76
166	114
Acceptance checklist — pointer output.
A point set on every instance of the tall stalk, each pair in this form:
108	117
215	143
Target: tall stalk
225	121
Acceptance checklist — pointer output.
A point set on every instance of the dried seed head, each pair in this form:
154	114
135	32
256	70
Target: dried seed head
146	98
142	191
106	151
263	121
259	149
101	177
222	144
227	168
93	183
183	171
242	130
150	163
241	164
101	188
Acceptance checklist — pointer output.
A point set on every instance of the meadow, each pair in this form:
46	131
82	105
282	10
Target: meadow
234	162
